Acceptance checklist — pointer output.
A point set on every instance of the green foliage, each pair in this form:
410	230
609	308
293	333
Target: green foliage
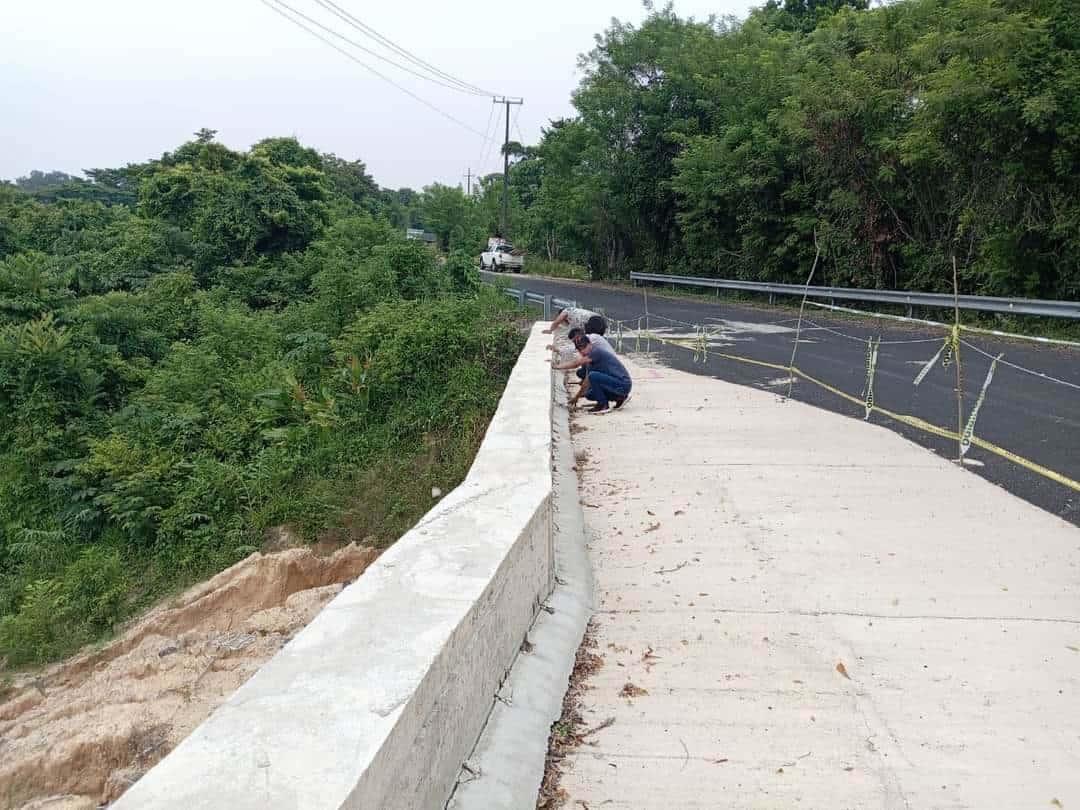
254	344
453	217
553	268
239	206
901	136
462	272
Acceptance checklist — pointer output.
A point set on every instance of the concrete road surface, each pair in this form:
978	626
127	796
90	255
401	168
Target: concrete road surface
1032	416
797	609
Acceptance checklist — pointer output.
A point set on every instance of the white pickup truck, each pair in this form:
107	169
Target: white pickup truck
500	257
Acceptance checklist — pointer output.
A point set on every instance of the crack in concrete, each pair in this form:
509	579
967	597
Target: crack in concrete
849	614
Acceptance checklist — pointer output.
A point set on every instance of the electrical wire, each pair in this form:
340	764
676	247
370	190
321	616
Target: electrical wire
964	327
521	137
369	52
857	339
1032	372
270	5
489	151
489	133
368	31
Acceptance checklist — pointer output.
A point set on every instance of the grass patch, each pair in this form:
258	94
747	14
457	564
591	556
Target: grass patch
553	268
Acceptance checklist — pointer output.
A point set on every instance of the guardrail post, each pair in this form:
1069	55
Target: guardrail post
771	297
547	307
522	297
910	311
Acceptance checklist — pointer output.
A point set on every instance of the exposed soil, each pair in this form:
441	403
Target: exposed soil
78	734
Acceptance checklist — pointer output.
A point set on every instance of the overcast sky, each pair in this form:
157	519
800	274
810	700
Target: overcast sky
94	84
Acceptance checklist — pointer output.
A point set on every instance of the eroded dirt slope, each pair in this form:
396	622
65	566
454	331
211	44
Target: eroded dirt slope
80	733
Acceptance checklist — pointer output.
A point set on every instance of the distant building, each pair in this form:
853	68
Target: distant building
420	236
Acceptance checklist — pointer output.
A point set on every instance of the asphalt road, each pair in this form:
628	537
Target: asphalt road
1030	416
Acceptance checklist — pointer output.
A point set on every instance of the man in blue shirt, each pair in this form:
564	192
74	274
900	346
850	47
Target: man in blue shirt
609	381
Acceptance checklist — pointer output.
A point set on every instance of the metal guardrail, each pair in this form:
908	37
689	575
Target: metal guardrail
1010	306
549	303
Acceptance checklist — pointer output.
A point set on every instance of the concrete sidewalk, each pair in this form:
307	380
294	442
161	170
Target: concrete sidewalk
797	609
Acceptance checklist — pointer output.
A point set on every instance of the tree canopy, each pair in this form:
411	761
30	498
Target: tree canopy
901	136
211	344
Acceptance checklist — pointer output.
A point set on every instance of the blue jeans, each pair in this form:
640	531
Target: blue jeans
603	387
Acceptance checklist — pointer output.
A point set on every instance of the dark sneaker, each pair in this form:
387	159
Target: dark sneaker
620	402
596	410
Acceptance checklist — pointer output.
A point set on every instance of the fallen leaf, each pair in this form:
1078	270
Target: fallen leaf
630	690
849	768
651	512
652	527
681	512
842	670
1056	803
720	761
1071	647
606	724
678	567
649	660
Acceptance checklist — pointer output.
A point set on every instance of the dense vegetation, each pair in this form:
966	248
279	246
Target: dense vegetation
902	135
200	348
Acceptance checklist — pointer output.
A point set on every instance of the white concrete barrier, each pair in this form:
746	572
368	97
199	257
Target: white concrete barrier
379	700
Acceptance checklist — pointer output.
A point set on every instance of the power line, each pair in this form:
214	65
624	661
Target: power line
504	224
488	136
521	138
367	30
376	54
493	145
270	4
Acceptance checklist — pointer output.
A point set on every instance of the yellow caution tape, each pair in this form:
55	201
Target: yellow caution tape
907	419
969	428
930	364
871	366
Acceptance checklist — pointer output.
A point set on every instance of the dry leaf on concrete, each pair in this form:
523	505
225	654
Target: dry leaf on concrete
649	660
843	670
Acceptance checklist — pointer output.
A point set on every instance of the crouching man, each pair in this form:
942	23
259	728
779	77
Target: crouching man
578	318
607	382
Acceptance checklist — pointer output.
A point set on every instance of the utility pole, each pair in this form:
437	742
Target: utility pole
468	186
507	101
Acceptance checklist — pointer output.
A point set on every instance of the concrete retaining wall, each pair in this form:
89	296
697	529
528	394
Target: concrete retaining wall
379	700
